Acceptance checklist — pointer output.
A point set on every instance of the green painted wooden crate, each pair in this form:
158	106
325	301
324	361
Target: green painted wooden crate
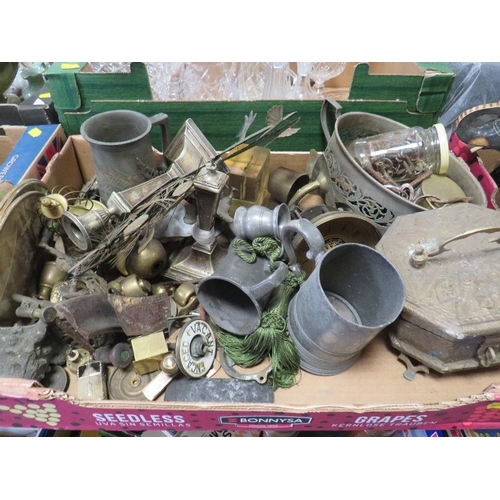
413	98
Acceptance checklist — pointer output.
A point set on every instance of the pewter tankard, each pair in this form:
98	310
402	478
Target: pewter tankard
121	148
351	295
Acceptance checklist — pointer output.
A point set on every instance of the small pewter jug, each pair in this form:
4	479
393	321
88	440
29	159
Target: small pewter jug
236	294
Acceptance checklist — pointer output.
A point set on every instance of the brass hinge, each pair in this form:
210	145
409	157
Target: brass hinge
489	352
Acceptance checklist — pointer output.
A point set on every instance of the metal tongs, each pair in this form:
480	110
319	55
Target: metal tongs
264	135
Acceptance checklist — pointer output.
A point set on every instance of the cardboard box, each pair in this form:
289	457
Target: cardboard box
410	93
372	395
26	151
206	433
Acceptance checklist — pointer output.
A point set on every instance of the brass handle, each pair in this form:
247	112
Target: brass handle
420	256
308	188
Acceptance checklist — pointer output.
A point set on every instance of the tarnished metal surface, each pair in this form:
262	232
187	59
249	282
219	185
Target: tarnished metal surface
149	346
257	221
236	294
411	369
188	149
57	378
358	189
142	315
87	284
349	298
20	229
229	367
86	318
218	390
337	227
22	354
185	298
196	348
453	301
128	384
169	370
76	358
20	189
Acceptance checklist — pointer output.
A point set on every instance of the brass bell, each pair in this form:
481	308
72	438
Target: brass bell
132	286
149	262
284	183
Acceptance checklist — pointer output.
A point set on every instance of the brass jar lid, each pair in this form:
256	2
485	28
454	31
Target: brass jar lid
439	187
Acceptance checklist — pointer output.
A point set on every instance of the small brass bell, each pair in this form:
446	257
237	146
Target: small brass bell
149	262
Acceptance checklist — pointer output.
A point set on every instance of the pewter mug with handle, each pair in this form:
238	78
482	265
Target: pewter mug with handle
121	148
353	293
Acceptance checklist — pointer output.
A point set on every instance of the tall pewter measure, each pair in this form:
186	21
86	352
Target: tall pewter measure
121	148
353	293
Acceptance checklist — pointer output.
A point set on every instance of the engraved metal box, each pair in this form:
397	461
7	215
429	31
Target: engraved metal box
450	261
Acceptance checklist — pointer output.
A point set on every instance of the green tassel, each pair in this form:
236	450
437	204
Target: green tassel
271	339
